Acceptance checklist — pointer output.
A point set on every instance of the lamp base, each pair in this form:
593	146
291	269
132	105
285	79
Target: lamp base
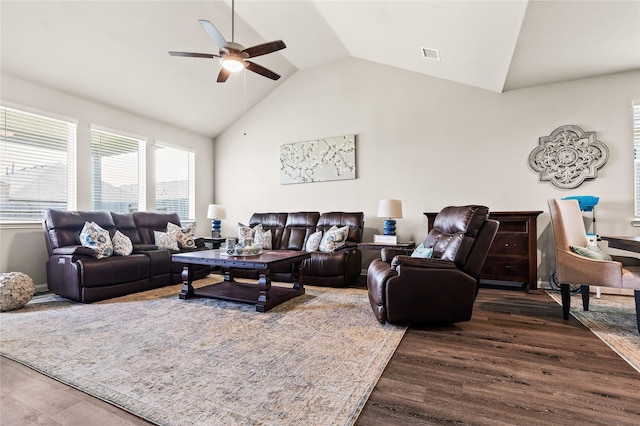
389	227
215	228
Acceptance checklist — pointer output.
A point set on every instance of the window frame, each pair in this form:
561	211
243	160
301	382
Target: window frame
142	143
71	161
636	160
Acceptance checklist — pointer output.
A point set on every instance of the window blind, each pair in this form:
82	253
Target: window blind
175	181
117	172
636	154
38	164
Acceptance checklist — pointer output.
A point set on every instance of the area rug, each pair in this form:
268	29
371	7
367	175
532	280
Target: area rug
313	360
613	319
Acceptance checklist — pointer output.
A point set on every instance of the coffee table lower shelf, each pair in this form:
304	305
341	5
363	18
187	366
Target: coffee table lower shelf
248	293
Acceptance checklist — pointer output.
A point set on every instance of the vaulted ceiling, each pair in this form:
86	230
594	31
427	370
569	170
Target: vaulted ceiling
115	52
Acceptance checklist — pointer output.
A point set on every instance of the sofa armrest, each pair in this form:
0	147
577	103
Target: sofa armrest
199	242
80	251
419	262
387	254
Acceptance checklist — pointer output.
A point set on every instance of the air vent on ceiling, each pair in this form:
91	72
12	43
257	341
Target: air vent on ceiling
430	53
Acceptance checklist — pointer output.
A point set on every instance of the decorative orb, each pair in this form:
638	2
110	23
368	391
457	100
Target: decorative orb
16	289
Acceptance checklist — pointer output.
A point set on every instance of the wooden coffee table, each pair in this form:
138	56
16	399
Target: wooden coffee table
262	294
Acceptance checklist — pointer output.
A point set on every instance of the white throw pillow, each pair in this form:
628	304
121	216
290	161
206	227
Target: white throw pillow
166	240
96	238
334	238
313	243
122	245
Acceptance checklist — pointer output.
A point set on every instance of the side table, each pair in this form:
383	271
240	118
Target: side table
214	243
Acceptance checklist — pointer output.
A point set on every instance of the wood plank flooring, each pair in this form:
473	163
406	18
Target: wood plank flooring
516	362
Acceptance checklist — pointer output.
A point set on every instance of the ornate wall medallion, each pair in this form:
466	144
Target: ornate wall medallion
568	156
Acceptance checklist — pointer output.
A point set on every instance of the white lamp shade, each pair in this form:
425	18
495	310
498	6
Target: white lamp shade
390	208
216	211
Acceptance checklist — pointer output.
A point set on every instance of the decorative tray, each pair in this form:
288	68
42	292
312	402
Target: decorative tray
224	253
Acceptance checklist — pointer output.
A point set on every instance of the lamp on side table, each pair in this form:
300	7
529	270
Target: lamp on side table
215	213
391	209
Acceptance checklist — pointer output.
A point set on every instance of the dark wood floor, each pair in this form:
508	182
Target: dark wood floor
517	362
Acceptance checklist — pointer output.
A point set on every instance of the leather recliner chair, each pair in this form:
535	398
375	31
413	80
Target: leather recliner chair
441	289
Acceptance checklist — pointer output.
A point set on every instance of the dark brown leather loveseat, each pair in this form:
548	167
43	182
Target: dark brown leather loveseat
290	231
74	271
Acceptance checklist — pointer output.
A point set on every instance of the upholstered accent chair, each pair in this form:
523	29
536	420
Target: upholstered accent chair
570	237
440	289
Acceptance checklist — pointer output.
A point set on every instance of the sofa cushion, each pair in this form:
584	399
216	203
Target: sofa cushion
263	238
96	238
166	240
124	223
122	245
422	251
591	252
355	221
246	232
63	227
184	235
313	243
148	222
333	239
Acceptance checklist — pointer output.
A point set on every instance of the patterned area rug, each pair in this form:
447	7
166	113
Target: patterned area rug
613	319
313	360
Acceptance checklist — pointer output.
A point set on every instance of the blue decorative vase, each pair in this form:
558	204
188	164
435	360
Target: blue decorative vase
389	227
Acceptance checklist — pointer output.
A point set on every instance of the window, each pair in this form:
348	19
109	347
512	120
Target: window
175	176
117	172
37	156
636	153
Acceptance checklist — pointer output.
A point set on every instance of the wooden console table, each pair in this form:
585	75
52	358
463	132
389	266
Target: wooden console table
513	257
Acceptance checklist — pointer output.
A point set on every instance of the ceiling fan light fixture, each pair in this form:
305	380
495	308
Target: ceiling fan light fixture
232	63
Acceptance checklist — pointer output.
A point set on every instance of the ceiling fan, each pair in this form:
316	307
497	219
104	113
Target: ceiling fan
233	56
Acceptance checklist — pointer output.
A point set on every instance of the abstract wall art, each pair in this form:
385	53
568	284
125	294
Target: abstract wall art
318	160
568	156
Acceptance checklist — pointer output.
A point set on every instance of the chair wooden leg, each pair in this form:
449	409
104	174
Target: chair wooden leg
636	294
584	290
566	300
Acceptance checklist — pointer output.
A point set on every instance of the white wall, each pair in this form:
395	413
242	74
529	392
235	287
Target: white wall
22	247
430	143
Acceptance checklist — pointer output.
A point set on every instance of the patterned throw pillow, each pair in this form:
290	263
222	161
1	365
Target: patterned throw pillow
166	240
422	252
313	243
591	252
245	232
96	238
184	236
334	238
121	244
263	238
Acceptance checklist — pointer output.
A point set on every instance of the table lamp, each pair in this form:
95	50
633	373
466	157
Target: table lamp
390	209
215	213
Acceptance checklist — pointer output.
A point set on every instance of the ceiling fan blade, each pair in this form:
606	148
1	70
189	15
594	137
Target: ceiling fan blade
194	55
224	75
263	49
213	33
259	69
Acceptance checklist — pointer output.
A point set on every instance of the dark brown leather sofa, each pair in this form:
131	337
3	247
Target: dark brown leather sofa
74	272
290	231
442	289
